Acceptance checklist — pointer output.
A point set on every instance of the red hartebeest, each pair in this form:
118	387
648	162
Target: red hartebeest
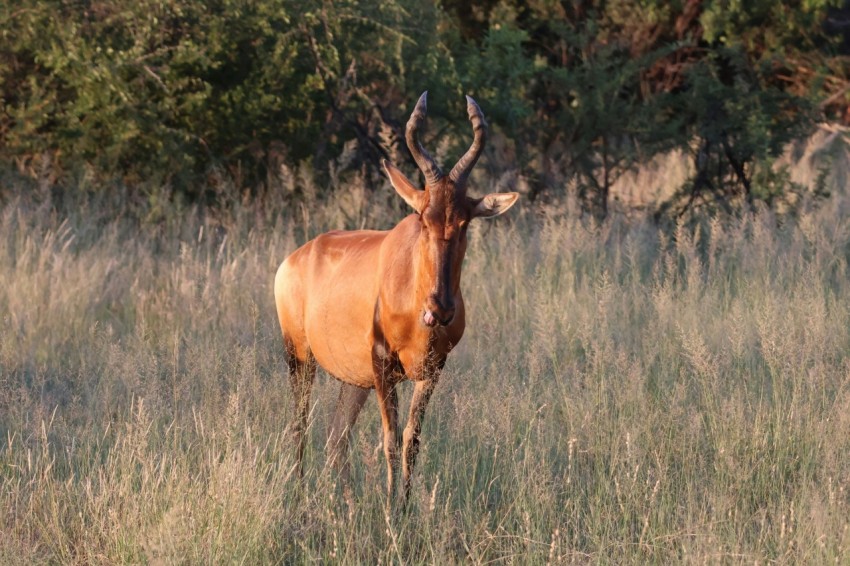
376	307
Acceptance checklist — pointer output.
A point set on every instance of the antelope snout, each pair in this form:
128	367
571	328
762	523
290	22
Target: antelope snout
439	312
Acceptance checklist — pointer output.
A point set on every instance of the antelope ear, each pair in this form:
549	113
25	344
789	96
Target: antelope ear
402	185
493	204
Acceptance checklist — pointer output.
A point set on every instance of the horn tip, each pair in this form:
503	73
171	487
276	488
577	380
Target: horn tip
422	103
472	108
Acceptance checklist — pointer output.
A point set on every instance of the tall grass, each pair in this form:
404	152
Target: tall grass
623	393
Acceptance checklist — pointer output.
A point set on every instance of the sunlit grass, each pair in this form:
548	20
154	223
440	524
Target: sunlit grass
624	393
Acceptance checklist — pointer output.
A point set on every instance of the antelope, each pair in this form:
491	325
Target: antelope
374	308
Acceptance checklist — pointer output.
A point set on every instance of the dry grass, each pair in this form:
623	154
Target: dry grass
622	394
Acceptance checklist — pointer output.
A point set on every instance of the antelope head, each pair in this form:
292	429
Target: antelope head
445	211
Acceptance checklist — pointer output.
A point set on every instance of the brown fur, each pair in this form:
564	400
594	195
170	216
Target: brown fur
374	308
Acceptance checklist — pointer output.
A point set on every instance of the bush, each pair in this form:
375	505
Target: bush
178	93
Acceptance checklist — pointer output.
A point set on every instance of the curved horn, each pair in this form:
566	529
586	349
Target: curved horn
460	172
425	162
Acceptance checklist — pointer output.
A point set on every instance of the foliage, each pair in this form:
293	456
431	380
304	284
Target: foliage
181	92
617	82
738	127
148	87
173	88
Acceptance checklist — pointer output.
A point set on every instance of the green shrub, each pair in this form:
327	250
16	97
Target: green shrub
182	93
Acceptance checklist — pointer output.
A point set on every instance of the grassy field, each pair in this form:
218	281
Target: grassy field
623	394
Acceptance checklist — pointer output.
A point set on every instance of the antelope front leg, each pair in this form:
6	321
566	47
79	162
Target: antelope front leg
388	402
421	395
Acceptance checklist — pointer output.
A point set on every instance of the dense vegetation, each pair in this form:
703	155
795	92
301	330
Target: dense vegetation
622	395
172	97
627	391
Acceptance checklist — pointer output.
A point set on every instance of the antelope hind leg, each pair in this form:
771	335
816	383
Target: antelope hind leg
301	375
348	405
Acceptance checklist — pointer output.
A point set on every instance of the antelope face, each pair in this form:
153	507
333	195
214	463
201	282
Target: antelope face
443	223
444	214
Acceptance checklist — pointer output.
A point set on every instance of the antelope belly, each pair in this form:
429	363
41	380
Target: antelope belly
339	338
